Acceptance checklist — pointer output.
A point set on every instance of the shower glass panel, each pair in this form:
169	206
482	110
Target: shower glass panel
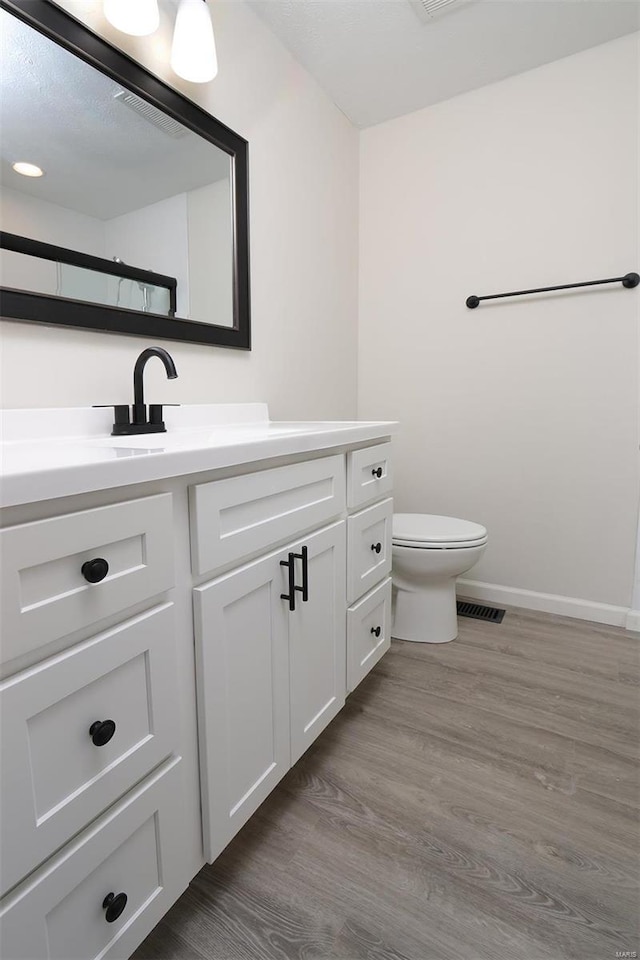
77	283
38	267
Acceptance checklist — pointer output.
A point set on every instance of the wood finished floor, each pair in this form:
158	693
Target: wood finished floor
473	801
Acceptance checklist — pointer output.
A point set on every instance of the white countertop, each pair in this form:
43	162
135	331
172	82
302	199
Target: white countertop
60	452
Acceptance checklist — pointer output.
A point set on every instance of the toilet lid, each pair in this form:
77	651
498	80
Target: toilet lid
428	528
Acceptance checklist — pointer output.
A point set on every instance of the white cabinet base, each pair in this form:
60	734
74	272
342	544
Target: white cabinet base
83	820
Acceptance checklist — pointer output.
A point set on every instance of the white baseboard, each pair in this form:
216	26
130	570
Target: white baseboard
551	603
633	620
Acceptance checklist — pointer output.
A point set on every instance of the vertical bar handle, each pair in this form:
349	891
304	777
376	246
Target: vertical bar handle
291	596
304	589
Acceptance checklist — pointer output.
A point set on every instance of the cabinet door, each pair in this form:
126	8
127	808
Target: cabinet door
243	694
317	638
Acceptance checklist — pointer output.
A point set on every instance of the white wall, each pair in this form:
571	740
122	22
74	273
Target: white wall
210	253
40	220
520	415
303	156
51	223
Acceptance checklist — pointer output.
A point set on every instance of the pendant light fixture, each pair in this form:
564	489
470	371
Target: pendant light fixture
193	53
138	18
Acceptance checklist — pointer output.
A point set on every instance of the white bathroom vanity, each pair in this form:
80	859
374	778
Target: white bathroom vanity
182	615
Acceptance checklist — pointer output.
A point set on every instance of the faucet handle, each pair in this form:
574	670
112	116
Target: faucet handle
120	410
155	411
124	426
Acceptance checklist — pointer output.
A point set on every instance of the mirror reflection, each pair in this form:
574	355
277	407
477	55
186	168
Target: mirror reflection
121	181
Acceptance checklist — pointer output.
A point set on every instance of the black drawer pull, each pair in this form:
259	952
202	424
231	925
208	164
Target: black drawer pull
101	732
114	905
304	589
95	570
376	472
291	596
376	547
376	630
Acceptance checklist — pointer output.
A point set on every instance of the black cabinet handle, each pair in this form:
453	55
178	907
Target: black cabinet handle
376	472
376	630
304	589
114	904
101	732
377	547
95	570
291	596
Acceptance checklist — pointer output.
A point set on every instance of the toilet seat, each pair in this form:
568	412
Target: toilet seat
424	545
424	531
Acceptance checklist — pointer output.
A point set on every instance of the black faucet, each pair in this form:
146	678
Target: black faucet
139	406
123	425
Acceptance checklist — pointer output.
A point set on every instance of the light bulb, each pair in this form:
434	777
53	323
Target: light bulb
138	18
193	53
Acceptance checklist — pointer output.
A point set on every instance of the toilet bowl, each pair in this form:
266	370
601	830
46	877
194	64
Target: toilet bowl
429	552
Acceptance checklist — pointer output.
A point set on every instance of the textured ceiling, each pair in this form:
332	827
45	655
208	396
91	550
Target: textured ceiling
100	157
377	59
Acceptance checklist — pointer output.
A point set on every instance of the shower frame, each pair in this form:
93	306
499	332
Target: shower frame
75	258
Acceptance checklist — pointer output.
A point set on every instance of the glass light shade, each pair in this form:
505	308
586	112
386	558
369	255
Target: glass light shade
193	54
138	18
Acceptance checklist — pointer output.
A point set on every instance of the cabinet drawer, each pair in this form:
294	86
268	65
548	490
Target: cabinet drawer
369	474
368	548
368	632
45	595
234	519
58	913
55	778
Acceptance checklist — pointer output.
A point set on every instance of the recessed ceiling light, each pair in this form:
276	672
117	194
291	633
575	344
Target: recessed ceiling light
28	169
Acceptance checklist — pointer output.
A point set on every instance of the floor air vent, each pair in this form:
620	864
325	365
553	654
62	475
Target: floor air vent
479	612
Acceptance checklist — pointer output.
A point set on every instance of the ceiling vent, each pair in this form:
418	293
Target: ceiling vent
428	10
156	117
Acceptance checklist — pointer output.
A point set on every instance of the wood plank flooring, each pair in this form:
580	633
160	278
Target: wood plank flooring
473	801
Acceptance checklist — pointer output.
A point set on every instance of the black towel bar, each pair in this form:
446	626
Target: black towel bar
629	280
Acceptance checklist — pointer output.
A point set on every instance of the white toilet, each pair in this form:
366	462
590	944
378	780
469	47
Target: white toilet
429	552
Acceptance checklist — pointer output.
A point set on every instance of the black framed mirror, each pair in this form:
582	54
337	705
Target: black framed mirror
139	220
